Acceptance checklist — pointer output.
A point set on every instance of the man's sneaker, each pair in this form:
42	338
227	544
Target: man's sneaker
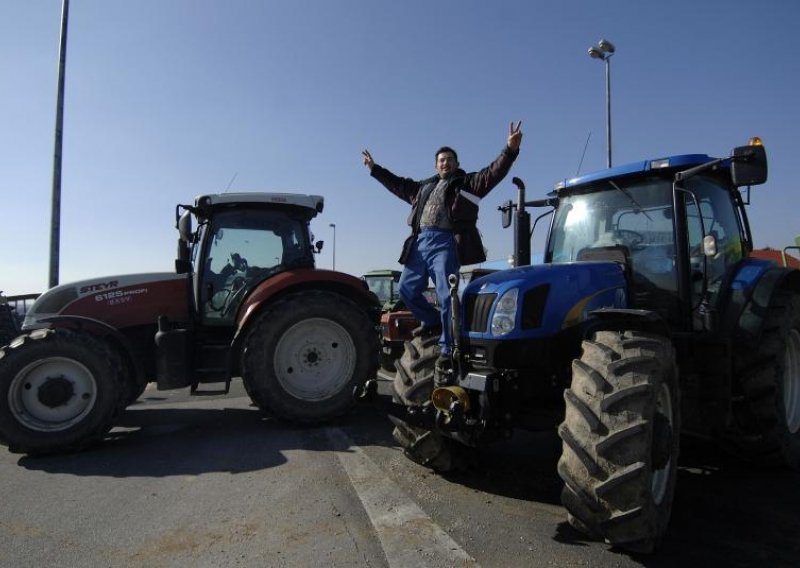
427	331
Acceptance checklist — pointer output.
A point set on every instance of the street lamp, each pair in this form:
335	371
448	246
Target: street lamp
333	226
604	50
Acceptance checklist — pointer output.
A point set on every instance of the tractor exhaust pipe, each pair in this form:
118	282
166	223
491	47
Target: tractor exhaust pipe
522	228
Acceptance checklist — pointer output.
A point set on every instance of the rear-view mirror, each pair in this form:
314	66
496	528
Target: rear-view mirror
506	213
749	165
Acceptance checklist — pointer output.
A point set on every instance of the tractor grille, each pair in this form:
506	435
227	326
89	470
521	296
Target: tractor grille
533	306
478	307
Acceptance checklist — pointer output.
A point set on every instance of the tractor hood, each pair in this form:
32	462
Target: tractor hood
540	300
120	301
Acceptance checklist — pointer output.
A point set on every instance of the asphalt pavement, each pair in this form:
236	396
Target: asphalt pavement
212	481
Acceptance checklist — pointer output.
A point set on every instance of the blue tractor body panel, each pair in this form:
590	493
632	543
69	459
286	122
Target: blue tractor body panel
681	161
552	297
749	273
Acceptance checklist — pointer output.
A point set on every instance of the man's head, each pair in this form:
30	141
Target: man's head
446	161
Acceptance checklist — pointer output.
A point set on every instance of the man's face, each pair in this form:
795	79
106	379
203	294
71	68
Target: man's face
446	164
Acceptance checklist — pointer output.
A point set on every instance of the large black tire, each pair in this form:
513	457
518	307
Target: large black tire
133	389
305	356
767	417
621	439
59	391
9	328
412	386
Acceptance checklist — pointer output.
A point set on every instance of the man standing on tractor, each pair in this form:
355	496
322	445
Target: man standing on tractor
444	233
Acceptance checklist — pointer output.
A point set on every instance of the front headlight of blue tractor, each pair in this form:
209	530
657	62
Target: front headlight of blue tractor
505	314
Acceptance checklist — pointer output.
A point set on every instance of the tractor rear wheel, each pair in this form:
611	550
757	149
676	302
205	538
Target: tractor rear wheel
621	439
768	416
59	391
412	386
305	356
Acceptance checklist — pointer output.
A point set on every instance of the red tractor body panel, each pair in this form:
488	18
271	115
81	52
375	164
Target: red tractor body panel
132	300
315	278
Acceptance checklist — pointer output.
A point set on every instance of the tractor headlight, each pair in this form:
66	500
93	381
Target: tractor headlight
505	314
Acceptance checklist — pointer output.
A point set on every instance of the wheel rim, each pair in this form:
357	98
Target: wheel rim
791	382
314	359
52	394
660	479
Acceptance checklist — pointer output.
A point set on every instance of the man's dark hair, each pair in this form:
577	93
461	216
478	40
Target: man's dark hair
446	149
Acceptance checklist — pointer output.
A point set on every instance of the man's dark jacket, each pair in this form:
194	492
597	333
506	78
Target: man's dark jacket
462	196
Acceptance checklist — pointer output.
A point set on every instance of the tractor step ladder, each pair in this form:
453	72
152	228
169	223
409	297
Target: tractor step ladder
213	369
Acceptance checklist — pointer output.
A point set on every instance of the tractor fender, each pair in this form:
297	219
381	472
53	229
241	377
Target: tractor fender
623	319
306	279
751	298
297	281
106	331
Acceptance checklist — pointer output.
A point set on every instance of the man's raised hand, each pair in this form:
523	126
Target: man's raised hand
368	161
514	135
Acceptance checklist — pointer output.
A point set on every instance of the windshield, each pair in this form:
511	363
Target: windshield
244	247
385	287
634	219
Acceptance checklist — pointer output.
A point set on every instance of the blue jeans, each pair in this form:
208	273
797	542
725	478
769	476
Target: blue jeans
433	255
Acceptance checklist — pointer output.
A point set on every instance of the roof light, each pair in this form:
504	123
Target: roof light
606	46
595	53
755	141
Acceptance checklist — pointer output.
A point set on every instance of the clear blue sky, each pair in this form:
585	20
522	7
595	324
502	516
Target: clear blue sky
168	99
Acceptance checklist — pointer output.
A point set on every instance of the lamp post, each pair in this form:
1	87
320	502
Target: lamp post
55	211
604	50
333	226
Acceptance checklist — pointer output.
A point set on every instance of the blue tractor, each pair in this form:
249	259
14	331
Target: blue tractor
646	320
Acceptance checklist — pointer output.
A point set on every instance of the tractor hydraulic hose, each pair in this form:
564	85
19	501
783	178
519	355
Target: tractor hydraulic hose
455	323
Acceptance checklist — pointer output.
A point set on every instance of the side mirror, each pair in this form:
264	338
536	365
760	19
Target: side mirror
318	246
506	209
710	245
185	227
183	264
749	165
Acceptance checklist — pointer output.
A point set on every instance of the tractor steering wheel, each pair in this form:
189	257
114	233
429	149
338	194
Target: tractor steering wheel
235	294
631	239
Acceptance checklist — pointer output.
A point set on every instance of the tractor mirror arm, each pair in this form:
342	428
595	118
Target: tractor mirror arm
691	172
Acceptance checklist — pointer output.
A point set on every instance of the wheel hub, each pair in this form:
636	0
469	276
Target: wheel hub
52	394
55	392
312	357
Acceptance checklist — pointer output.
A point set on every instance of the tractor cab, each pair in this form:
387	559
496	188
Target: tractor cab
241	240
679	236
385	285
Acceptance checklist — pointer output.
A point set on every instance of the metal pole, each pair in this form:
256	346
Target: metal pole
608	107
55	215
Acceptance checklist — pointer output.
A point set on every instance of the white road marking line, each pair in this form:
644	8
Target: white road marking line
408	536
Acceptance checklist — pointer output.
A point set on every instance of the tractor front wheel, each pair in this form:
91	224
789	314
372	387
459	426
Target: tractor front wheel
621	439
59	391
413	386
305	356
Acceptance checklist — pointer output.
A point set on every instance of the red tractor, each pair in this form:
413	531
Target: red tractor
245	301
